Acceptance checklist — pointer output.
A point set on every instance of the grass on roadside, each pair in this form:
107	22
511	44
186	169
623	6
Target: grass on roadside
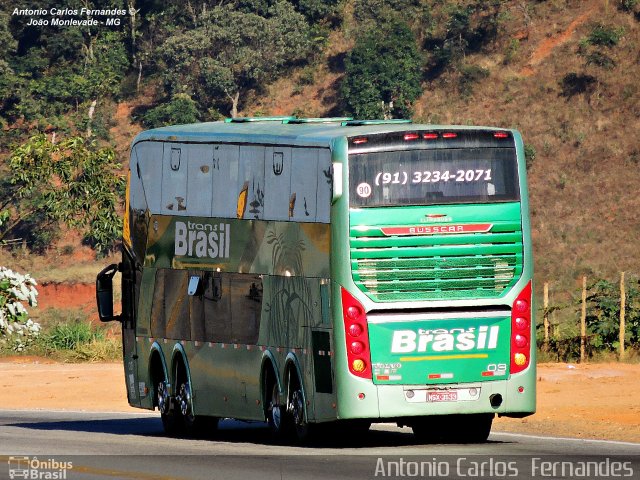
55	266
68	335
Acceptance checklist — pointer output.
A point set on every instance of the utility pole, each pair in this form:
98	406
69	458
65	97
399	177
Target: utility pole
623	302
583	320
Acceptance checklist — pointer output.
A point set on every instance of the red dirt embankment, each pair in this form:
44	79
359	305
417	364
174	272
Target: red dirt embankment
67	296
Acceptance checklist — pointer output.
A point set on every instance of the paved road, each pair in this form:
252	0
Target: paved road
132	446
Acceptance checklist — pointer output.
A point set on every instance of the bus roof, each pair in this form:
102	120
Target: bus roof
286	130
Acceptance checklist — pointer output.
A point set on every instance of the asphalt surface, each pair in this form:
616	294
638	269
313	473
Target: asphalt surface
79	445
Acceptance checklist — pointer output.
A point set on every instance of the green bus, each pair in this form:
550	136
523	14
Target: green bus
316	272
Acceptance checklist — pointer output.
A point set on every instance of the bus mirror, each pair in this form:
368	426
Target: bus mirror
104	293
337	181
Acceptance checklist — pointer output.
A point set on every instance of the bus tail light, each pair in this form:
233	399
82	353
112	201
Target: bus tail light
430	136
449	135
501	135
521	331
356	336
411	136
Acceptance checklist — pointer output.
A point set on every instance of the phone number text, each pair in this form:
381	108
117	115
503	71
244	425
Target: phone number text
433	176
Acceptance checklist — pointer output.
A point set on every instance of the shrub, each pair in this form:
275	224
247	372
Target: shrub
469	75
76	339
511	51
70	336
603	319
601	60
17	330
605	36
627	5
529	154
180	109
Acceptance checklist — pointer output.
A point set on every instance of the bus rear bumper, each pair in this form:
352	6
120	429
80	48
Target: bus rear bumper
515	397
499	397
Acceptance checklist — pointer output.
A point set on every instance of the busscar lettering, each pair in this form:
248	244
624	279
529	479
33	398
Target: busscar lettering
443	340
437	229
202	240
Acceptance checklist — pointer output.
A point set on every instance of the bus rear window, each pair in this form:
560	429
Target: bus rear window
433	177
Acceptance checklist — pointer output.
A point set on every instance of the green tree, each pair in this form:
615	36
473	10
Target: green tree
8	79
73	182
233	52
603	317
316	10
179	110
460	28
58	70
382	73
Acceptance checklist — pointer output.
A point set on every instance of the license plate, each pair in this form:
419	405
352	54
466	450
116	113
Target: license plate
442	397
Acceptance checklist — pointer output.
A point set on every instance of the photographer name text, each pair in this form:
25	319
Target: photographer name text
73	17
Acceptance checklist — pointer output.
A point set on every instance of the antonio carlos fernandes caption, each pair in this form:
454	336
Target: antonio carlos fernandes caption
492	468
58	15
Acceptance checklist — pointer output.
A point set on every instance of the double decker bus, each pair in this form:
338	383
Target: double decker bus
310	272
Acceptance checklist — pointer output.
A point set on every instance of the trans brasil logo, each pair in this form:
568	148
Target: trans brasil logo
202	240
443	340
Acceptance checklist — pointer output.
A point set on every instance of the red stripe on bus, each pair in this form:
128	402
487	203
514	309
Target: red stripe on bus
437	229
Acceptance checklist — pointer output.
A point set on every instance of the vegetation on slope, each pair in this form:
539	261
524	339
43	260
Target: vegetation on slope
564	72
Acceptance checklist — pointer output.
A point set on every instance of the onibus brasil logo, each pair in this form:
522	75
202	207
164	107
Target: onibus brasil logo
33	468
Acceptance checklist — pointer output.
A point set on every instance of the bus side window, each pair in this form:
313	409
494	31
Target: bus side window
177	305
250	186
304	184
137	206
158	322
174	179
199	178
196	304
224	179
149	165
217	308
277	186
246	298
325	185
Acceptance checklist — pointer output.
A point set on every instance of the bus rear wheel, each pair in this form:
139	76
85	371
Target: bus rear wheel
297	411
192	425
474	428
170	423
275	410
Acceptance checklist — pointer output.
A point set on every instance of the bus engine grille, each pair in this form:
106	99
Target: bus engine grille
436	267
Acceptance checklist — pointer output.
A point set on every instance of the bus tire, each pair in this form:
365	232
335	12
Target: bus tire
276	412
170	423
473	428
191	425
297	411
